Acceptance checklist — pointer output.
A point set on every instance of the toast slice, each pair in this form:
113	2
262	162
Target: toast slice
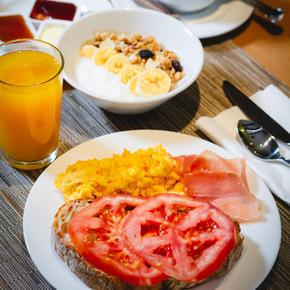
97	279
91	276
174	284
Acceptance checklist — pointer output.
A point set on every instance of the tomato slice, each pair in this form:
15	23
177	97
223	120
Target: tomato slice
182	237
96	232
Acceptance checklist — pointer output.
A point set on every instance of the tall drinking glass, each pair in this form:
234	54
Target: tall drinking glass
30	102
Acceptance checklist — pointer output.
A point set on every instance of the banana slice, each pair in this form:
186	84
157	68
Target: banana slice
103	54
129	71
152	82
132	84
88	50
116	62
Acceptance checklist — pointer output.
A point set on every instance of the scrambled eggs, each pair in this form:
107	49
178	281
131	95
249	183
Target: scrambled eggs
141	173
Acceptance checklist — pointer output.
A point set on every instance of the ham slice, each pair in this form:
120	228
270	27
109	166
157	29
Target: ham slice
222	182
210	161
241	208
185	162
214	184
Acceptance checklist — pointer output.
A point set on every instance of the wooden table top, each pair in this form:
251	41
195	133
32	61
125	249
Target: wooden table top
270	51
83	120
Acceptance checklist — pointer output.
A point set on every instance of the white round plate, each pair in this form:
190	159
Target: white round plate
221	17
262	239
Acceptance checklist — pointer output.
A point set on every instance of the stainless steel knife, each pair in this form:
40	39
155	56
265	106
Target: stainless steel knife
154	5
254	112
157	6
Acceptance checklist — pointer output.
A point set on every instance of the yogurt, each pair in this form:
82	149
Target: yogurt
98	80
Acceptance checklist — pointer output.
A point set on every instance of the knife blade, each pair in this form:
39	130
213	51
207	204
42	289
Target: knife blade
254	112
154	5
157	6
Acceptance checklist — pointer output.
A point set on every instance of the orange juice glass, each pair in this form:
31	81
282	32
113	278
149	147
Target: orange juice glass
30	102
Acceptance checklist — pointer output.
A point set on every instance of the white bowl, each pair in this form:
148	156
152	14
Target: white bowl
167	30
187	5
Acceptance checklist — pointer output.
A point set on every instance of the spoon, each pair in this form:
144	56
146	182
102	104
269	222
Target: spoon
273	14
260	142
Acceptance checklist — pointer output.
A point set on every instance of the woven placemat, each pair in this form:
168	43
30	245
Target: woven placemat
83	120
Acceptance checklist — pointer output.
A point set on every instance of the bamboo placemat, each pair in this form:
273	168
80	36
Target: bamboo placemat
83	120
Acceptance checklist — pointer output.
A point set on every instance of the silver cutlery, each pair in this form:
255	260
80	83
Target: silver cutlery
152	4
156	5
254	112
260	142
273	14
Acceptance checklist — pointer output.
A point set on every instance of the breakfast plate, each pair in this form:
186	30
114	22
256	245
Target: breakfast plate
262	239
219	18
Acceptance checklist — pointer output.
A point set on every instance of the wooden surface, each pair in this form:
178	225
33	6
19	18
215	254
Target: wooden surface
83	120
270	51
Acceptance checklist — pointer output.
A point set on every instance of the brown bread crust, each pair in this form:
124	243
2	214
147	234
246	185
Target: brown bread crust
91	276
98	280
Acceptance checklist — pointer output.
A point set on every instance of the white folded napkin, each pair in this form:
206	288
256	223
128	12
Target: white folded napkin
222	129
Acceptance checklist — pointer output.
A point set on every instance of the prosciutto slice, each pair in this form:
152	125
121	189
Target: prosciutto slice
214	184
209	161
222	182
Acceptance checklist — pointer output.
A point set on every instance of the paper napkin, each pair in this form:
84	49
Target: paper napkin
222	129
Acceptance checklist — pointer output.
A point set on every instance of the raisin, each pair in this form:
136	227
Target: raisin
176	65
146	53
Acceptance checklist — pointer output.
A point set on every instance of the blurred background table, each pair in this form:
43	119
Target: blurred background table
270	51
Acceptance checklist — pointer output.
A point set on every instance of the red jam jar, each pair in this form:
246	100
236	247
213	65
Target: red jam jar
44	9
13	27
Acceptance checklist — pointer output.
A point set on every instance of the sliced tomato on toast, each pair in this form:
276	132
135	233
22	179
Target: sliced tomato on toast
96	232
182	237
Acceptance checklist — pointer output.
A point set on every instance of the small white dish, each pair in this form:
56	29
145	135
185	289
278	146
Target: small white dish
168	31
51	30
217	19
262	238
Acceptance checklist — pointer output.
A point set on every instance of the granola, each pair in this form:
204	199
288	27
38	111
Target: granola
142	51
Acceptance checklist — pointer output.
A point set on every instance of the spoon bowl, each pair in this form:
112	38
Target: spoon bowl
259	141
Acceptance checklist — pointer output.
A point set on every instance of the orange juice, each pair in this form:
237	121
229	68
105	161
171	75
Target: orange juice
30	104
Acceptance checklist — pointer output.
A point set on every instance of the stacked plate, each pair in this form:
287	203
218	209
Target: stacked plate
219	18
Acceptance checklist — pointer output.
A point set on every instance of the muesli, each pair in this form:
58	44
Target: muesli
141	62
